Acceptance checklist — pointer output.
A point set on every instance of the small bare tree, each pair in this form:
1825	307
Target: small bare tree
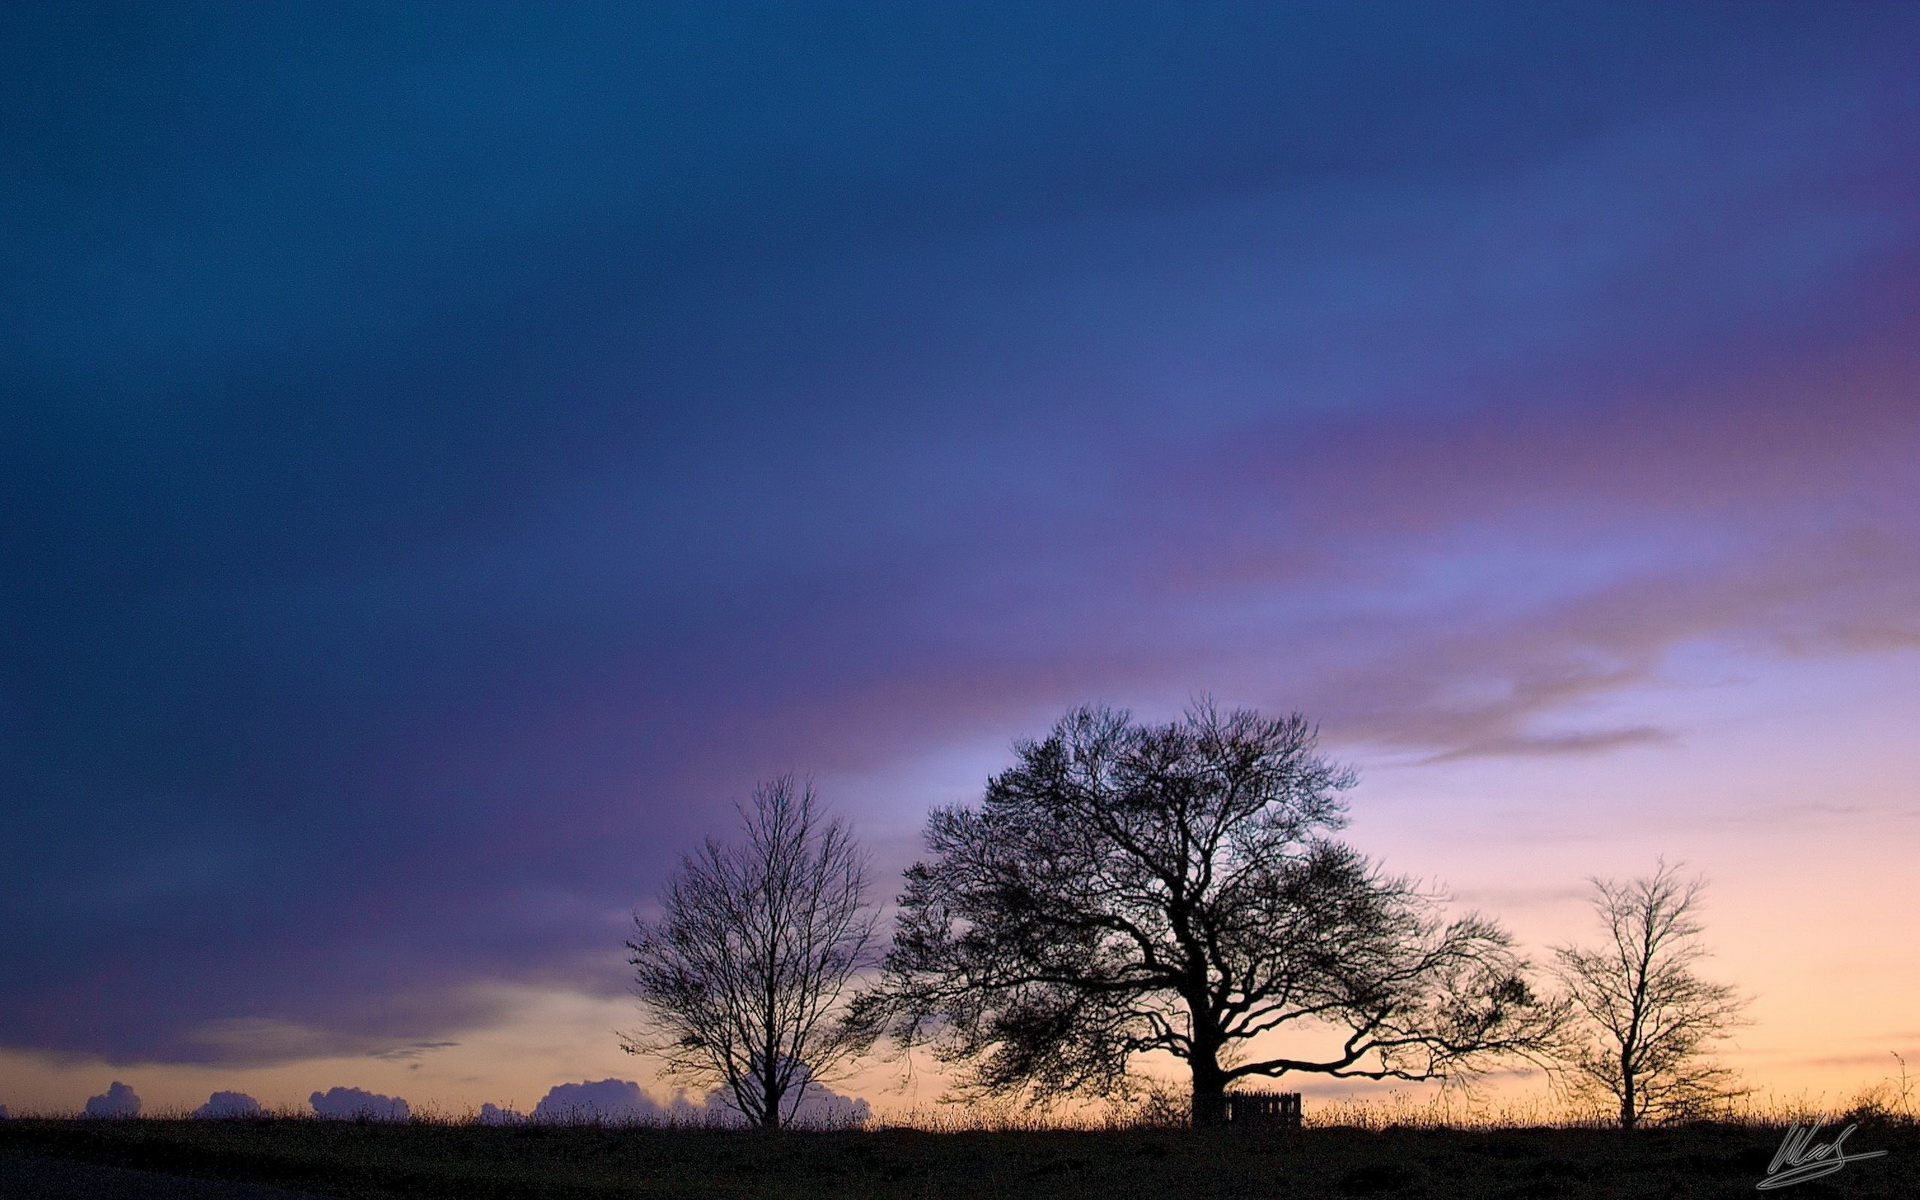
741	978
1647	1022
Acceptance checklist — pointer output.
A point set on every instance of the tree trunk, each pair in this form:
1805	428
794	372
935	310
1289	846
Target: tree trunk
770	1088
1209	1088
1628	1115
766	1082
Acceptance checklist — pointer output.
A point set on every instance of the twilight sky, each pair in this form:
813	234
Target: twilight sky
448	455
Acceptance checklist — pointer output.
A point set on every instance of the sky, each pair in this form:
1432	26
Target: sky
450	453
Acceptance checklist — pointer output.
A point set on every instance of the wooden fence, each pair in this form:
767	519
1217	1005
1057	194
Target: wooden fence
1264	1108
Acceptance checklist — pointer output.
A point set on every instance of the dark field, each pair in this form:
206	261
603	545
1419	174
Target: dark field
435	1160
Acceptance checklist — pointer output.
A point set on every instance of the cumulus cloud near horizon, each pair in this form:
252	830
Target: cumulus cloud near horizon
623	1101
605	1101
228	1104
355	1104
819	1107
823	1107
119	1100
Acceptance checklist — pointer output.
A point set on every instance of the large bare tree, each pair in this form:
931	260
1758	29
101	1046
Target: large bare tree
1647	1022
1127	888
742	978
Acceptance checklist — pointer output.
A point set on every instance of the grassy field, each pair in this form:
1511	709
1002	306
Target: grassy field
449	1160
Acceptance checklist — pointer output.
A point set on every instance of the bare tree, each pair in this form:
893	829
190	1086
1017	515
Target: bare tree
1646	1021
1127	889
742	977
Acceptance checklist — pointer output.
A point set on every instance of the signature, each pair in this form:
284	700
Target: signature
1798	1159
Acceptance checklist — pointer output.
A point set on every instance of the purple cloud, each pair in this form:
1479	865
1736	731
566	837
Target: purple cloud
419	632
353	1104
605	1102
624	1102
222	1105
118	1100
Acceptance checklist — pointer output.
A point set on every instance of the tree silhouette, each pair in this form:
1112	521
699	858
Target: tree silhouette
742	977
1127	888
1646	1021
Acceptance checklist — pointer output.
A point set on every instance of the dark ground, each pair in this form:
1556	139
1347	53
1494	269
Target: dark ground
38	1177
431	1160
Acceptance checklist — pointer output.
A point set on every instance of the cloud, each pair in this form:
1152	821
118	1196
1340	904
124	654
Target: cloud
411	1052
1110	387
1508	899
493	1114
823	1108
250	1041
3	1112
607	1101
1879	1059
1597	741
622	1101
228	1104
820	1107
353	1104
118	1100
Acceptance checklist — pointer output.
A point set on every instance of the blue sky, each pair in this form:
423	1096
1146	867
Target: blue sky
450	455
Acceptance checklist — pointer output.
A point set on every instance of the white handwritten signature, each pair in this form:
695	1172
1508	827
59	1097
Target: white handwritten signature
1798	1160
